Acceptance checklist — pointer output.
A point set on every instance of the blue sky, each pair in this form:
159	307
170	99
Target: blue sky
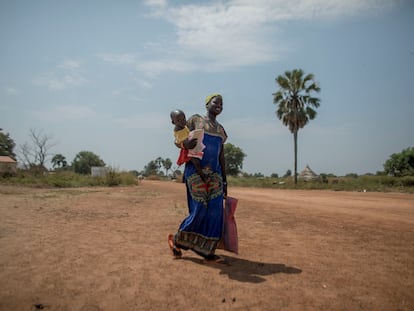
103	76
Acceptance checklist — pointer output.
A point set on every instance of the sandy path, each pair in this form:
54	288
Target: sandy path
106	249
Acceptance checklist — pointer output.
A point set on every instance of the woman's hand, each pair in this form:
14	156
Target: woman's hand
189	144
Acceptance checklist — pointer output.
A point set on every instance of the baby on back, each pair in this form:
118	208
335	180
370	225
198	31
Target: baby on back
182	133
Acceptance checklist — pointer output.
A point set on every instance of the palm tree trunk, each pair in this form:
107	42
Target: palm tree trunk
295	143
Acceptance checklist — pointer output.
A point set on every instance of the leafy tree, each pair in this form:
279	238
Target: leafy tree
167	164
158	162
400	164
151	168
274	175
176	173
154	167
295	105
59	161
234	157
84	160
6	145
287	174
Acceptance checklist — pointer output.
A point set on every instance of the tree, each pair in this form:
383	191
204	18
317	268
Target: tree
295	105
176	173
84	160
36	153
6	145
151	168
158	162
59	161
167	164
234	157
400	164
154	167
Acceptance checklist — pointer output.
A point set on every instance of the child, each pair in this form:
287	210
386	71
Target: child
181	133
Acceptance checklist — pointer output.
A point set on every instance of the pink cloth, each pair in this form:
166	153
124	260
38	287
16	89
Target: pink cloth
197	151
230	241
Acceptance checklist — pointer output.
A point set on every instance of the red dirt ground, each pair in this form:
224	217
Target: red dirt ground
106	249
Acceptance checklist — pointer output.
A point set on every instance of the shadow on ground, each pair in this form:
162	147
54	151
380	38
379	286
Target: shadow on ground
244	270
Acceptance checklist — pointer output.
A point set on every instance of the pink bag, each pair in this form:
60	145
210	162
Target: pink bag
230	241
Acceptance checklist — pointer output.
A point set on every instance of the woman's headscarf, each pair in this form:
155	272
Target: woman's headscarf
210	97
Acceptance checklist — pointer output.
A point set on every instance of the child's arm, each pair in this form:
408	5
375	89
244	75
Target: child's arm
198	168
186	143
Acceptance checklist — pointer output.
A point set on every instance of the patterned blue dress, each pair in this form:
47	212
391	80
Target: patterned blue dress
201	230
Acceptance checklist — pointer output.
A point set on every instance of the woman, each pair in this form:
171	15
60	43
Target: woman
201	230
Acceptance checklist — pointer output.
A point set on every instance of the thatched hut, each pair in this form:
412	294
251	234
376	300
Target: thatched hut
307	174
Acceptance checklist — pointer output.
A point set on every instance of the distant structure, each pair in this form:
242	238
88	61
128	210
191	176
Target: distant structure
7	165
99	171
307	174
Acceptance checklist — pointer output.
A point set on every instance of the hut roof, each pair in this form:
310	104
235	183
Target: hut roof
308	174
7	159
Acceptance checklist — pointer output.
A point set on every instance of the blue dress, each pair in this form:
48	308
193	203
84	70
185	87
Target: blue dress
201	230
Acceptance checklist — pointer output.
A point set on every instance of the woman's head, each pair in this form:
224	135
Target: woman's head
214	104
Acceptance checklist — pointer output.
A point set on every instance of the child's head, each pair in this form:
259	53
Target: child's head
178	119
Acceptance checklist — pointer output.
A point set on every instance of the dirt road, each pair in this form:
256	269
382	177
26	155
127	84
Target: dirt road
106	249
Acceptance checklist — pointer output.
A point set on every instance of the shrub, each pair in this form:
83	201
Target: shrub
63	179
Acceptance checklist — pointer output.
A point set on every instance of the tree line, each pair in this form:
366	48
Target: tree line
33	154
296	107
164	167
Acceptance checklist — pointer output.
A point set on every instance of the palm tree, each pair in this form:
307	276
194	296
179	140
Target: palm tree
295	105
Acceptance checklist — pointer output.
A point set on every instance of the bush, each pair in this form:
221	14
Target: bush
65	179
362	183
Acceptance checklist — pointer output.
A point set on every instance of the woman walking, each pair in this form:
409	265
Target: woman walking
201	230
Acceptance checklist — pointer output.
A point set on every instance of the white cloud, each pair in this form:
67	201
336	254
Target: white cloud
66	112
156	3
10	90
221	35
264	129
154	68
145	84
120	59
69	65
67	75
75	112
145	121
228	34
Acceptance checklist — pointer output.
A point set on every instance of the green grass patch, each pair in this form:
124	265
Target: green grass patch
359	183
68	179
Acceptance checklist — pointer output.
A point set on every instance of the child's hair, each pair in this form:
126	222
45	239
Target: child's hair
176	112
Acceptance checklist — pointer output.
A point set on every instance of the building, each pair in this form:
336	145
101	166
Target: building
307	174
99	171
8	165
